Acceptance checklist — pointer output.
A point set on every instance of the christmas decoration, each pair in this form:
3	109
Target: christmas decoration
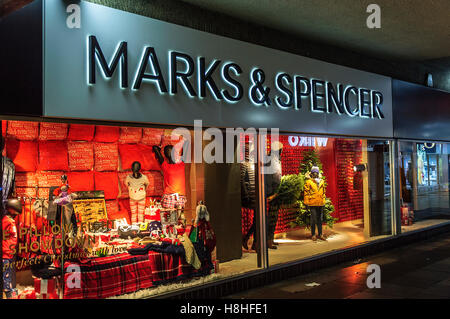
310	159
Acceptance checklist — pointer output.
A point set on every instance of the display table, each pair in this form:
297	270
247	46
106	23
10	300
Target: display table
124	273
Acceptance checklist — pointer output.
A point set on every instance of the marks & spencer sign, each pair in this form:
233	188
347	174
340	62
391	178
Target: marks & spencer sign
125	67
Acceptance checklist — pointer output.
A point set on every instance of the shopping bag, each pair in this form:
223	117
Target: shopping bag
193	236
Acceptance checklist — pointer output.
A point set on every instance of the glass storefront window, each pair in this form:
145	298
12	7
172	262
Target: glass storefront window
326	194
424	184
107	212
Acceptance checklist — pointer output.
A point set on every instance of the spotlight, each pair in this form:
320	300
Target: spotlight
359	168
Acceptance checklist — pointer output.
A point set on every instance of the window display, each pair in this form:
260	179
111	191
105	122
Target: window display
103	211
424	184
331	193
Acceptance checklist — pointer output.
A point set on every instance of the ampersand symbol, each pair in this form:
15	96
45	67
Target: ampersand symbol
258	93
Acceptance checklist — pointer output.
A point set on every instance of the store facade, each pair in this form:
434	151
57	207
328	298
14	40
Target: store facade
91	112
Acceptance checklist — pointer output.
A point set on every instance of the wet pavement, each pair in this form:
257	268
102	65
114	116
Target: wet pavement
417	271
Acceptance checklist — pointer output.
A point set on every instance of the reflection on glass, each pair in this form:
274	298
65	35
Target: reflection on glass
424	184
342	196
109	211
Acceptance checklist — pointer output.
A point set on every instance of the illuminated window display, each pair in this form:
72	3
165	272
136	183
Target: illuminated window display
328	193
424	184
98	211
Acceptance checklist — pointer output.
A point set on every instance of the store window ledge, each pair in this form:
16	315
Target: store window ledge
258	278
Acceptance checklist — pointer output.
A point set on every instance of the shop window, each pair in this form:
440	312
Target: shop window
325	194
424	184
98	202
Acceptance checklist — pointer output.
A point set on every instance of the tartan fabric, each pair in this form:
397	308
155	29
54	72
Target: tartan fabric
124	273
170	200
110	276
168	268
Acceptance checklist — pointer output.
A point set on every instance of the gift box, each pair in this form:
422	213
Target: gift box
46	288
28	293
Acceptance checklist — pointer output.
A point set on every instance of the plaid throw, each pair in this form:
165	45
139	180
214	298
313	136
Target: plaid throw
110	276
171	200
169	268
124	273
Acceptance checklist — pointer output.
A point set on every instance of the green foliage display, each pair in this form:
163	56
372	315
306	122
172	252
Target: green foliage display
310	159
289	191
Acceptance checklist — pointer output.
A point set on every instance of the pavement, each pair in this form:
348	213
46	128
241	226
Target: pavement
417	271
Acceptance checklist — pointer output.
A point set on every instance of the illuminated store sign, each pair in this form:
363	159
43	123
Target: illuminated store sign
196	78
127	67
307	141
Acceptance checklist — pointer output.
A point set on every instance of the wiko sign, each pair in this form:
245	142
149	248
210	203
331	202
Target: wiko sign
120	66
196	79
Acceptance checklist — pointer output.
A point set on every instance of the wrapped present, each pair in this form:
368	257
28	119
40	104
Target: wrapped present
46	288
28	293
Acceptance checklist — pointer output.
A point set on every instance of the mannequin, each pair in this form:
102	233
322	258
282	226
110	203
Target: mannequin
13	208
9	174
205	233
137	188
271	183
314	199
174	195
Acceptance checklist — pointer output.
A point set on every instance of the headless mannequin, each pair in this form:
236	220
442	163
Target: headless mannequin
272	213
137	187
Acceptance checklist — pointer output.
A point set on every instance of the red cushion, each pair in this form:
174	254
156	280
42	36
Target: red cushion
81	181
156	183
177	141
152	136
53	156
48	178
123	186
130	135
112	207
81	156
108	134
114	212
81	132
23	130
106	157
107	182
128	154
24	154
52	131
124	208
4	126
149	161
26	179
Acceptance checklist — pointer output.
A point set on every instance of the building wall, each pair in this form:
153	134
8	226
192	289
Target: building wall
191	16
